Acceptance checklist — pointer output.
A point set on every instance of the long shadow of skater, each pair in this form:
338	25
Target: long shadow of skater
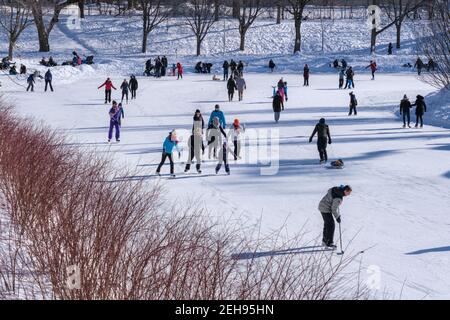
302	250
430	250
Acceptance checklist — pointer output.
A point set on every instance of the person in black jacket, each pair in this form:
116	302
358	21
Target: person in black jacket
225	67
231	86
125	86
48	80
405	110
323	136
271	65
133	86
306	76
277	105
353	104
198	118
421	108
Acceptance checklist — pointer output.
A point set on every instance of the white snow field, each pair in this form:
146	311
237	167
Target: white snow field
399	210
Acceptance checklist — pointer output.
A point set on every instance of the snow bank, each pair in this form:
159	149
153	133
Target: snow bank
438	112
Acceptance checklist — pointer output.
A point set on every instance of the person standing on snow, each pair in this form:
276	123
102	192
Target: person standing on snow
405	110
214	136
390	47
373	68
240	68
241	86
114	120
225	67
48	80
121	114
180	71
419	65
350	75
233	66
231	86
323	137
235	133
421	108
271	65
329	207
277	105
219	114
169	144
30	81
196	147
341	78
353	104
125	87
108	86
306	76
133	86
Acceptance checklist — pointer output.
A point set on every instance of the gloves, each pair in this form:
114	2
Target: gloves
338	219
329	141
310	140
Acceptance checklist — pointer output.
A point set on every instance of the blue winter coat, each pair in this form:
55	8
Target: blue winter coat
219	114
169	145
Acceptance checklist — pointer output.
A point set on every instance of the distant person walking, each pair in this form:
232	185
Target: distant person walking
241	86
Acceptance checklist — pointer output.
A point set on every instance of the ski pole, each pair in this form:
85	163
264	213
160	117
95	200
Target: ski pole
340	239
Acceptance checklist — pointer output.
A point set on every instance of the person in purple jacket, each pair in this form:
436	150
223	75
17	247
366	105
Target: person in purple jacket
114	116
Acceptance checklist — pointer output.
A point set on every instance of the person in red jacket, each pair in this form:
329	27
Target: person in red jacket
108	85
373	68
180	71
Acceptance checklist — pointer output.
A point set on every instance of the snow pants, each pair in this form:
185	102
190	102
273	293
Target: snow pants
114	125
108	95
322	148
328	228
166	155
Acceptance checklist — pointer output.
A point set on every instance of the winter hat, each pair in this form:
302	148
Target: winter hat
236	122
197	111
322	121
217	107
173	133
405	97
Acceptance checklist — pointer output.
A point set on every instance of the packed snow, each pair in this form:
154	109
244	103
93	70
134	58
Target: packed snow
398	211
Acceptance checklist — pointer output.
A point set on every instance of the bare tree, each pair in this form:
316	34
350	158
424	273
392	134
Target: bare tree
248	12
14	19
296	8
216	10
437	46
397	17
200	18
153	14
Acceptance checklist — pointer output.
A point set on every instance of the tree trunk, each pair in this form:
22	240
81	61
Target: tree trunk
216	10
399	32
278	14
12	43
242	45
44	45
373	40
235	9
144	33
81	7
199	45
298	33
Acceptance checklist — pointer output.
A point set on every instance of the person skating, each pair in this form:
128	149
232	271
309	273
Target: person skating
329	207
196	147
231	86
223	157
353	104
271	65
390	47
219	114
282	88
225	67
133	86
373	68
405	110
235	133
341	78
48	80
180	71
419	65
421	108
30	81
240	68
306	76
241	86
108	86
214	137
121	114
169	144
350	75
114	120
323	138
125	86
277	105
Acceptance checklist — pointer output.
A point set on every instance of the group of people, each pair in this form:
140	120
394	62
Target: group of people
405	110
31	80
51	62
158	69
234	83
280	95
420	65
217	140
203	67
127	86
236	69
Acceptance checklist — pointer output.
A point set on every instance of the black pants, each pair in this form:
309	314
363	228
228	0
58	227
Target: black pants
48	82
322	147
237	147
419	118
406	116
341	83
163	160
30	86
125	95
328	228
230	96
107	95
306	81
133	93
352	109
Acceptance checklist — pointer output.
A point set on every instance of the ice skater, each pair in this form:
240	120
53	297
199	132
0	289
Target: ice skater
323	137
125	86
421	108
353	104
170	143
405	111
108	86
114	120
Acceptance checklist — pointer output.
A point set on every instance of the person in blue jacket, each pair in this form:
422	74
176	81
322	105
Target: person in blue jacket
219	114
170	143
